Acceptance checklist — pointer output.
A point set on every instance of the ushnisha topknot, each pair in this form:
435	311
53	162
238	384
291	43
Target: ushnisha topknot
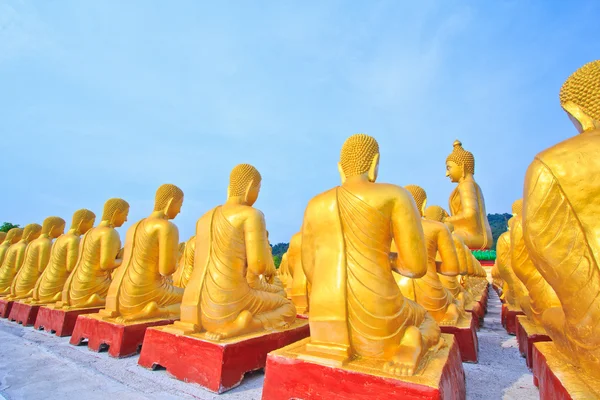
357	154
583	89
240	177
113	205
165	193
462	157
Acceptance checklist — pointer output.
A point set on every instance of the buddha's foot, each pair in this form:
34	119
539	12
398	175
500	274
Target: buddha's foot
409	354
451	317
244	323
150	311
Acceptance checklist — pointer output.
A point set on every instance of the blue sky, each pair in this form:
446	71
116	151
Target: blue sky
111	99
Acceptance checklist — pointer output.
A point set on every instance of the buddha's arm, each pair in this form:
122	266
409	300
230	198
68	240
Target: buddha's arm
468	201
110	243
72	254
19	258
408	236
168	248
450	265
462	256
308	249
257	243
44	257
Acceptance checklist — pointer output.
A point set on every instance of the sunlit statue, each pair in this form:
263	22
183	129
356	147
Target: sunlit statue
356	307
428	291
36	259
283	272
88	284
299	284
15	255
540	295
12	237
467	206
513	289
64	255
561	224
142	286
186	263
229	293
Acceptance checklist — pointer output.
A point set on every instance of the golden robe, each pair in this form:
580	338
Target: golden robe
467	200
13	260
36	260
53	279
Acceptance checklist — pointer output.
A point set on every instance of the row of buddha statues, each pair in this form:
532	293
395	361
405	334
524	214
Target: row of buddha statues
375	269
547	262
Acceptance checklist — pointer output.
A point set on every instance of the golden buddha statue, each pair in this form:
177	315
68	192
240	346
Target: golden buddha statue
12	237
513	288
356	307
2	237
142	287
14	257
467	206
63	258
186	263
299	284
88	284
428	291
226	296
561	227
540	296
36	259
285	276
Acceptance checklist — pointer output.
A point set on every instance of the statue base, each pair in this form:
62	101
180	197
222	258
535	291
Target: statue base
465	335
123	340
440	376
558	380
528	334
5	307
509	318
60	322
24	314
476	310
302	316
216	366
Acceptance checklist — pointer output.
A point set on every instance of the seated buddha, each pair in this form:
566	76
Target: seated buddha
226	296
356	306
428	291
513	288
15	255
283	272
12	237
88	284
186	263
142	287
36	259
540	295
299	284
561	227
63	258
467	206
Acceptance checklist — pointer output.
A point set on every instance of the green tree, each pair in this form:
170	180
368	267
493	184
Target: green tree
499	225
277	260
7	226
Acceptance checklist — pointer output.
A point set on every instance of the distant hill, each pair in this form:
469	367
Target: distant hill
498	223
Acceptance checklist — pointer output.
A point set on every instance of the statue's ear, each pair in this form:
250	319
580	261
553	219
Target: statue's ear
228	191
168	205
248	188
372	174
423	207
342	175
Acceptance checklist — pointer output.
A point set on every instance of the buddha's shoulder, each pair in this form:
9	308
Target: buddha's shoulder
573	147
326	196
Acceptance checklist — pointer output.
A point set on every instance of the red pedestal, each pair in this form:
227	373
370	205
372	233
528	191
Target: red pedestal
487	263
509	318
465	335
476	309
61	322
24	314
287	377
5	307
302	316
122	340
217	366
558	380
527	335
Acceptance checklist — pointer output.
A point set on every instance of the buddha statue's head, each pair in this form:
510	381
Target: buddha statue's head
14	235
510	223
168	199
419	195
359	157
31	232
517	207
244	184
580	97
435	213
83	220
53	227
115	212
460	163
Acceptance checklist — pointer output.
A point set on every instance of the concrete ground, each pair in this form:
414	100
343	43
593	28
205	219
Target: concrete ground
36	364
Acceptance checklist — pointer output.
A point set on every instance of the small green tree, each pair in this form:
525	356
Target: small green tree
7	226
277	260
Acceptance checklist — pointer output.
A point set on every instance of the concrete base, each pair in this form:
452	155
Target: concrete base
509	318
24	314
5	307
123	340
216	366
528	334
61	322
288	377
465	334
